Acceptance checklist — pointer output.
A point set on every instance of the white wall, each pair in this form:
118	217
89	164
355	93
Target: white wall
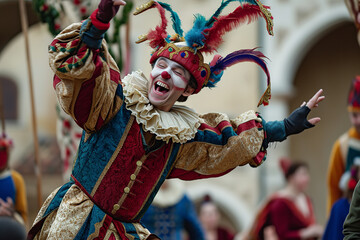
13	64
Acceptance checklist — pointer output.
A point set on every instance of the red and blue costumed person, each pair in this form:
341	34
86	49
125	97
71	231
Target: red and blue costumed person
135	136
13	203
346	148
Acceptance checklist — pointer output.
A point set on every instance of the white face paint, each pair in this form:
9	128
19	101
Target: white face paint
166	88
178	73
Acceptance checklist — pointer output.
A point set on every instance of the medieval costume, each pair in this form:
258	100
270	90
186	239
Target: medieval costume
338	214
282	213
13	203
68	135
129	147
12	184
352	222
172	213
345	149
224	234
340	209
211	220
289	211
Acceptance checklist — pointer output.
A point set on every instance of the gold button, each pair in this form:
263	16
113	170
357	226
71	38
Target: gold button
133	177
116	207
139	163
127	190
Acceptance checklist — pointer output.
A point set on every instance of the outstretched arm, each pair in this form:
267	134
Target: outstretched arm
221	145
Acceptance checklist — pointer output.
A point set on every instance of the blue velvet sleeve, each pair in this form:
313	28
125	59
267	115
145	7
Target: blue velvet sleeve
275	132
90	35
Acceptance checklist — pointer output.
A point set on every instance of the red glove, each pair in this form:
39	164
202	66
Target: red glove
107	10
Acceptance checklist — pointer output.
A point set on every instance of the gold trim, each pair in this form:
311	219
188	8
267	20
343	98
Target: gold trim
111	231
142	206
265	97
142	38
127	189
353	109
97	226
141	231
268	17
143	7
86	137
187	48
113	157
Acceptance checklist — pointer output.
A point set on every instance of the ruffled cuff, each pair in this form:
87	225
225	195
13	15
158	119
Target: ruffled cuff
91	35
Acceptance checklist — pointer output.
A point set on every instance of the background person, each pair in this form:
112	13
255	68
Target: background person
13	202
289	211
210	217
346	148
172	214
340	209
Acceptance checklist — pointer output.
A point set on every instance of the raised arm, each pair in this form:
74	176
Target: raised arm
87	79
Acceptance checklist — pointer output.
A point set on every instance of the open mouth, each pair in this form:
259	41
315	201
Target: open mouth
161	87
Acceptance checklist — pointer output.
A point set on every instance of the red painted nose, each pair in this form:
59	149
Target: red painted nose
165	75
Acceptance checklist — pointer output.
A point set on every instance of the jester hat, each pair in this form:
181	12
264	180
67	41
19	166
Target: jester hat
204	38
354	95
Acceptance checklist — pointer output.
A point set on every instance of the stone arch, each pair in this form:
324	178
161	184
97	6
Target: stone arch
297	45
10	19
286	65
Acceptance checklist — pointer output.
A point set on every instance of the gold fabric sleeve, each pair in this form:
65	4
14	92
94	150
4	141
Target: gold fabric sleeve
75	64
208	159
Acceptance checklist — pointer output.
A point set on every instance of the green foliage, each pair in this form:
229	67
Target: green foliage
49	12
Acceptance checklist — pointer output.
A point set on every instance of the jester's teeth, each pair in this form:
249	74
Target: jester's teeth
161	84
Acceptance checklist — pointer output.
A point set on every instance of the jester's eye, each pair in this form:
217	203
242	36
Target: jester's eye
179	72
161	64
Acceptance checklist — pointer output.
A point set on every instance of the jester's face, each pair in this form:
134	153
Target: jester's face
169	80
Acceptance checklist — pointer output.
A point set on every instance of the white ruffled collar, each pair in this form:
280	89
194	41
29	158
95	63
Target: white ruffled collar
179	124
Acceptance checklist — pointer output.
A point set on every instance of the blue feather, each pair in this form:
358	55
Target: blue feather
214	79
246	55
195	37
175	19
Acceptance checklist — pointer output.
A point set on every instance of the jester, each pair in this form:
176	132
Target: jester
135	136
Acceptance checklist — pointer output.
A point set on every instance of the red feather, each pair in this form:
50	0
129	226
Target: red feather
158	35
225	24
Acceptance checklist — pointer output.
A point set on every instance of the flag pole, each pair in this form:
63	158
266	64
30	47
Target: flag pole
2	116
24	25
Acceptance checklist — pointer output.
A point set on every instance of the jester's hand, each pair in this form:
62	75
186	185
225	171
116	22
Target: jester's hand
108	9
297	121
